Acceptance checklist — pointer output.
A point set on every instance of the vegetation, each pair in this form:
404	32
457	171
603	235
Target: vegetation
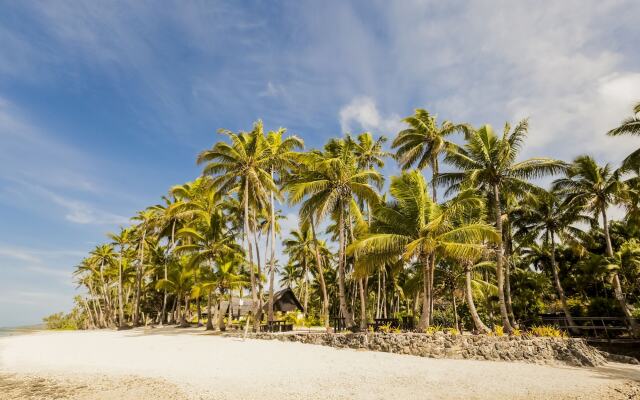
494	252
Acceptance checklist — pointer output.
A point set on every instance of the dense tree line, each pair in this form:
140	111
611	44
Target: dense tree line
463	236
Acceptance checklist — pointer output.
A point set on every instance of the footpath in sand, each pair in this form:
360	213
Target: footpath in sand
170	363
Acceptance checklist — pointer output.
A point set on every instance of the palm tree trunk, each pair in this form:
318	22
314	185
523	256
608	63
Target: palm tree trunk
378	297
248	246
323	286
221	326
136	311
432	272
96	309
230	308
174	309
507	277
120	292
165	296
306	286
363	306
425	317
477	322
209	316
259	276
383	311
92	321
556	281
500	262
105	295
272	261
183	319
617	286
341	271
455	309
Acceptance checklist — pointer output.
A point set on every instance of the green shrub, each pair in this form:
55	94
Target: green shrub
61	321
546	331
433	329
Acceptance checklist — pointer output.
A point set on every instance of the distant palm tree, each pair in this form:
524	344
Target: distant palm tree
300	248
424	141
244	166
103	256
545	215
595	188
488	162
122	240
630	126
147	218
180	282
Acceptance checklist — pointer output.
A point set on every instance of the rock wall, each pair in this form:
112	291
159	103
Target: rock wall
542	350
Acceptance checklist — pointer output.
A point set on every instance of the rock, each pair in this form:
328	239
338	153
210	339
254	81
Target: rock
575	352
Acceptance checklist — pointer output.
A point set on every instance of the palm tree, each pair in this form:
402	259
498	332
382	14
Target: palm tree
595	188
180	282
300	247
414	227
122	240
243	166
147	219
331	183
630	126
546	216
424	141
290	274
469	267
103	256
281	160
228	279
488	162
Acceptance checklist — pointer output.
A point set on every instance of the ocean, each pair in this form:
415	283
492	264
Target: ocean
19	330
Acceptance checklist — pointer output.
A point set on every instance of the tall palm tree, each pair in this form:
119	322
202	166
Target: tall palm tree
595	188
103	257
546	216
488	162
122	240
414	227
424	141
330	184
147	219
281	160
243	166
630	126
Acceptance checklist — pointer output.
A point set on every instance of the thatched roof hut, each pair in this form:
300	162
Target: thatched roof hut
284	301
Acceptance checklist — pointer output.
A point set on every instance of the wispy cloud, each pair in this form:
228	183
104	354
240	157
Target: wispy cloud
362	114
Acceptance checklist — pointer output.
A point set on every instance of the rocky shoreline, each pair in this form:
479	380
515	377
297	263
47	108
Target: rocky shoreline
539	350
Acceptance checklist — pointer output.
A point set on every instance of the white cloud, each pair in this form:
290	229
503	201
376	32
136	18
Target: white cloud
77	211
362	114
272	90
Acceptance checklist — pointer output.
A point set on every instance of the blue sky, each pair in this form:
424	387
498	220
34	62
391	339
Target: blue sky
104	105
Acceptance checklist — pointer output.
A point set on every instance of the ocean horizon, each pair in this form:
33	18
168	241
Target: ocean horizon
17	330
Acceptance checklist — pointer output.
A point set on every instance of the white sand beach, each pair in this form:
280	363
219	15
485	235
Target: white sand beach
170	363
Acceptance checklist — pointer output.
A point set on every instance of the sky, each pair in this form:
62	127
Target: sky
105	105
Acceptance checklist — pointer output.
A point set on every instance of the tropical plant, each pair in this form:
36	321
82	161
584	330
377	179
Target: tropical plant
488	163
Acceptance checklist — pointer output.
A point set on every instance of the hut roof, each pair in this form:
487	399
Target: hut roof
283	300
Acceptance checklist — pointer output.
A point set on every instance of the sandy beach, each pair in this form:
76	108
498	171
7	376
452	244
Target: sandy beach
170	363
